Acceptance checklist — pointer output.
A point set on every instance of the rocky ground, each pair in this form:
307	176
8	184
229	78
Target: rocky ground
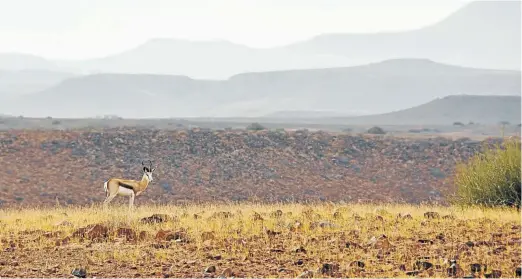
292	240
69	167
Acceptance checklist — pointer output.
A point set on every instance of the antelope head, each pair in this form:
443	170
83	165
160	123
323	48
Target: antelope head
148	170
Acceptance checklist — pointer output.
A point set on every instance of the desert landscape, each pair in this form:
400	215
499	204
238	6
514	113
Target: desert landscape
243	203
261	240
70	167
336	141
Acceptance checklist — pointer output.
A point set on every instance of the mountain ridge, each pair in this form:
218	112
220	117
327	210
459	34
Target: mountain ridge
376	88
472	36
480	109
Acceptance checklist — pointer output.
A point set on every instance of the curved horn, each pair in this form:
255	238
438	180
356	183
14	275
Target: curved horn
150	164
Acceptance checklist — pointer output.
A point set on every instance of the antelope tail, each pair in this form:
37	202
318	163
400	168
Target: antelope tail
105	188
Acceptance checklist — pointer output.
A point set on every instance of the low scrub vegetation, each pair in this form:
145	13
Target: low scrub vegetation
376	131
255	127
491	178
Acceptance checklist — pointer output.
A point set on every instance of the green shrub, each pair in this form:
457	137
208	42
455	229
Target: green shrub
376	131
255	127
491	178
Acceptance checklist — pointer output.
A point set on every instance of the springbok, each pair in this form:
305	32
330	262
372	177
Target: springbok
125	187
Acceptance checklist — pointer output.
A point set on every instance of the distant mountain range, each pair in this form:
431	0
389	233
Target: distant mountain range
447	110
482	34
306	114
374	88
474	51
16	83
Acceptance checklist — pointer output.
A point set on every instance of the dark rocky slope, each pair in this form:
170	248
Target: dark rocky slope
39	167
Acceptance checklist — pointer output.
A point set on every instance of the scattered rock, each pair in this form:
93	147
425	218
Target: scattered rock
422	265
92	232
63	241
518	272
128	233
494	274
350	244
499	250
79	272
484	243
210	269
425	241
272	233
216	257
329	269
299	249
227	273
357	264
475	267
412	273
431	215
178	236
155	218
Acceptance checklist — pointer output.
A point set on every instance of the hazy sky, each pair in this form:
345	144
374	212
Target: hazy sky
78	29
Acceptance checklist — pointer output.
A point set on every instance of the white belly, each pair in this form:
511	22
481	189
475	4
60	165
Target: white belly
125	192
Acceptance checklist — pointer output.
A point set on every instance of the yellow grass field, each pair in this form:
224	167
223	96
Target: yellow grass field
260	240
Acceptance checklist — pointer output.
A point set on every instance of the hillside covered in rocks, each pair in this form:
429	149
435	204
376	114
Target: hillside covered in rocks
69	167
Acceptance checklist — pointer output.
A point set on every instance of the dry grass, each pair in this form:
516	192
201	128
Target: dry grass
242	245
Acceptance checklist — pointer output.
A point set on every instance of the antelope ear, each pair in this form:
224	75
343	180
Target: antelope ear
152	169
145	169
